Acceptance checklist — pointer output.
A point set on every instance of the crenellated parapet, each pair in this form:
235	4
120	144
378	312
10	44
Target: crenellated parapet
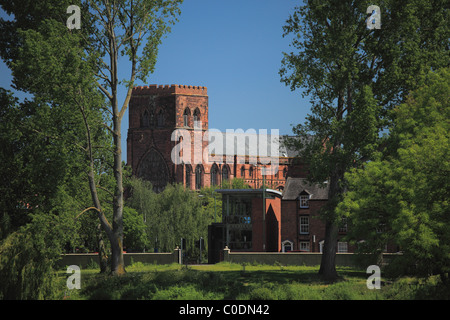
154	89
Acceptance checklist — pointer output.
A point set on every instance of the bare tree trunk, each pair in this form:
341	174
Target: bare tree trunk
102	255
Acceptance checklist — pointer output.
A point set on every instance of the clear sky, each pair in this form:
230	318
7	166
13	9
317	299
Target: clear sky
234	48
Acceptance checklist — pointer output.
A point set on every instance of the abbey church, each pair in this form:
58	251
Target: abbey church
289	203
156	112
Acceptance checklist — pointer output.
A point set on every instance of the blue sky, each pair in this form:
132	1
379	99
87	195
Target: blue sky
234	48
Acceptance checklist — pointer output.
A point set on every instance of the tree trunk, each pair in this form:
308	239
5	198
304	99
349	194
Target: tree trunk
328	262
328	265
102	256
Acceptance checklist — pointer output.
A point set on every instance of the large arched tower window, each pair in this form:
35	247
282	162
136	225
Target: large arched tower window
154	169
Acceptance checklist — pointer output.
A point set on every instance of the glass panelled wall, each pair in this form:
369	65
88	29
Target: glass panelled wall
237	211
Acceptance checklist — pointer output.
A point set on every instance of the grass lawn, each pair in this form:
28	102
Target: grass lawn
237	282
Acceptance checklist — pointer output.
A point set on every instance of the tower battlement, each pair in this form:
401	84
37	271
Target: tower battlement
154	89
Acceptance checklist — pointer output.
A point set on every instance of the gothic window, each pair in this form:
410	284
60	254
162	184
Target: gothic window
197	118
186	116
250	172
154	169
198	177
224	173
145	119
188	177
152	118
160	118
242	172
214	174
284	173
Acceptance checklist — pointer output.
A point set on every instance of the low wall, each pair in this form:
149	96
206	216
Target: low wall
292	258
84	259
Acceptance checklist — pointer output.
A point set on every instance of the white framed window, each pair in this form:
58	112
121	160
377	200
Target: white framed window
304	225
304	246
342	247
304	201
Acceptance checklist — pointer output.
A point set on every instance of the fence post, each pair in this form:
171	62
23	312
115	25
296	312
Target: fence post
177	255
226	254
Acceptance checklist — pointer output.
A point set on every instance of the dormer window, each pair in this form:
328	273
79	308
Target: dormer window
304	200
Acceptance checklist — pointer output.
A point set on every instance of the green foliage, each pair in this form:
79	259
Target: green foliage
70	73
169	215
134	237
402	198
176	212
354	76
27	257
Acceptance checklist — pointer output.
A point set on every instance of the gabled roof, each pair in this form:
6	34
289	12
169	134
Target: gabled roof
295	186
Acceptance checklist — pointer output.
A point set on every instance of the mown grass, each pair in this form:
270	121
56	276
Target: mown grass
242	282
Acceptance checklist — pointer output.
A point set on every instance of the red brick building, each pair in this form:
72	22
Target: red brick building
291	221
157	112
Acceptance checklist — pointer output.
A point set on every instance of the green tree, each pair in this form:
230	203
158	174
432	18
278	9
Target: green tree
403	198
353	76
173	214
133	29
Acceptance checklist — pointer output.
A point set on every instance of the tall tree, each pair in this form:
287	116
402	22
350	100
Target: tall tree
402	198
353	76
131	28
109	30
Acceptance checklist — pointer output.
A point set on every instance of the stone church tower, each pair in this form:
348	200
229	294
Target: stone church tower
155	112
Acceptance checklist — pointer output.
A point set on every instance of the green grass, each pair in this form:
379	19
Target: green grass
241	282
